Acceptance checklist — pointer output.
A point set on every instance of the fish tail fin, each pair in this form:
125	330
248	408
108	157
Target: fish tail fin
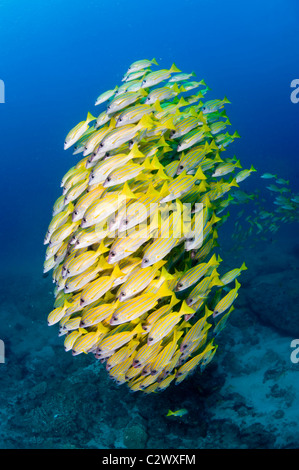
185	309
157	106
252	168
145	122
225	100
90	117
199	175
174	69
164	291
170	413
102	249
243	267
236	135
202	82
182	102
135	152
116	273
153	61
127	193
234	183
169	124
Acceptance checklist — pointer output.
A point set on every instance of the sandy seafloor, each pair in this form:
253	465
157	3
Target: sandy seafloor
246	398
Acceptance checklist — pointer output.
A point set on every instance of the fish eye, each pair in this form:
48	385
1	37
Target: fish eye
151	339
126	221
68	271
76	212
101	145
92	176
181	167
123	294
144	81
112	253
191	239
185	345
108	107
180	285
119	119
179	374
145	260
108	178
114	318
84	219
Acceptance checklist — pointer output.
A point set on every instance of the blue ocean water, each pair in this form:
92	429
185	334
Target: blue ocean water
56	58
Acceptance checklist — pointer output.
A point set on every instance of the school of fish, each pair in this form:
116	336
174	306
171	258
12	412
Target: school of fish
132	238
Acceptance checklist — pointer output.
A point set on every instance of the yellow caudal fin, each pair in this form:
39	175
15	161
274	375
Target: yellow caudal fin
164	291
165	275
138	329
216	281
102	249
162	142
203	186
212	146
174	69
237	285
234	183
102	264
145	122
142	92
199	175
252	168
157	106
90	117
164	190
82	331
135	152
208	312
215	219
185	310
101	329
169	124
116	273
170	413
111	124
155	163
176	88
151	191
66	304
153	61
127	193
162	175
213	261
205	128
182	102
174	300
238	164
243	267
